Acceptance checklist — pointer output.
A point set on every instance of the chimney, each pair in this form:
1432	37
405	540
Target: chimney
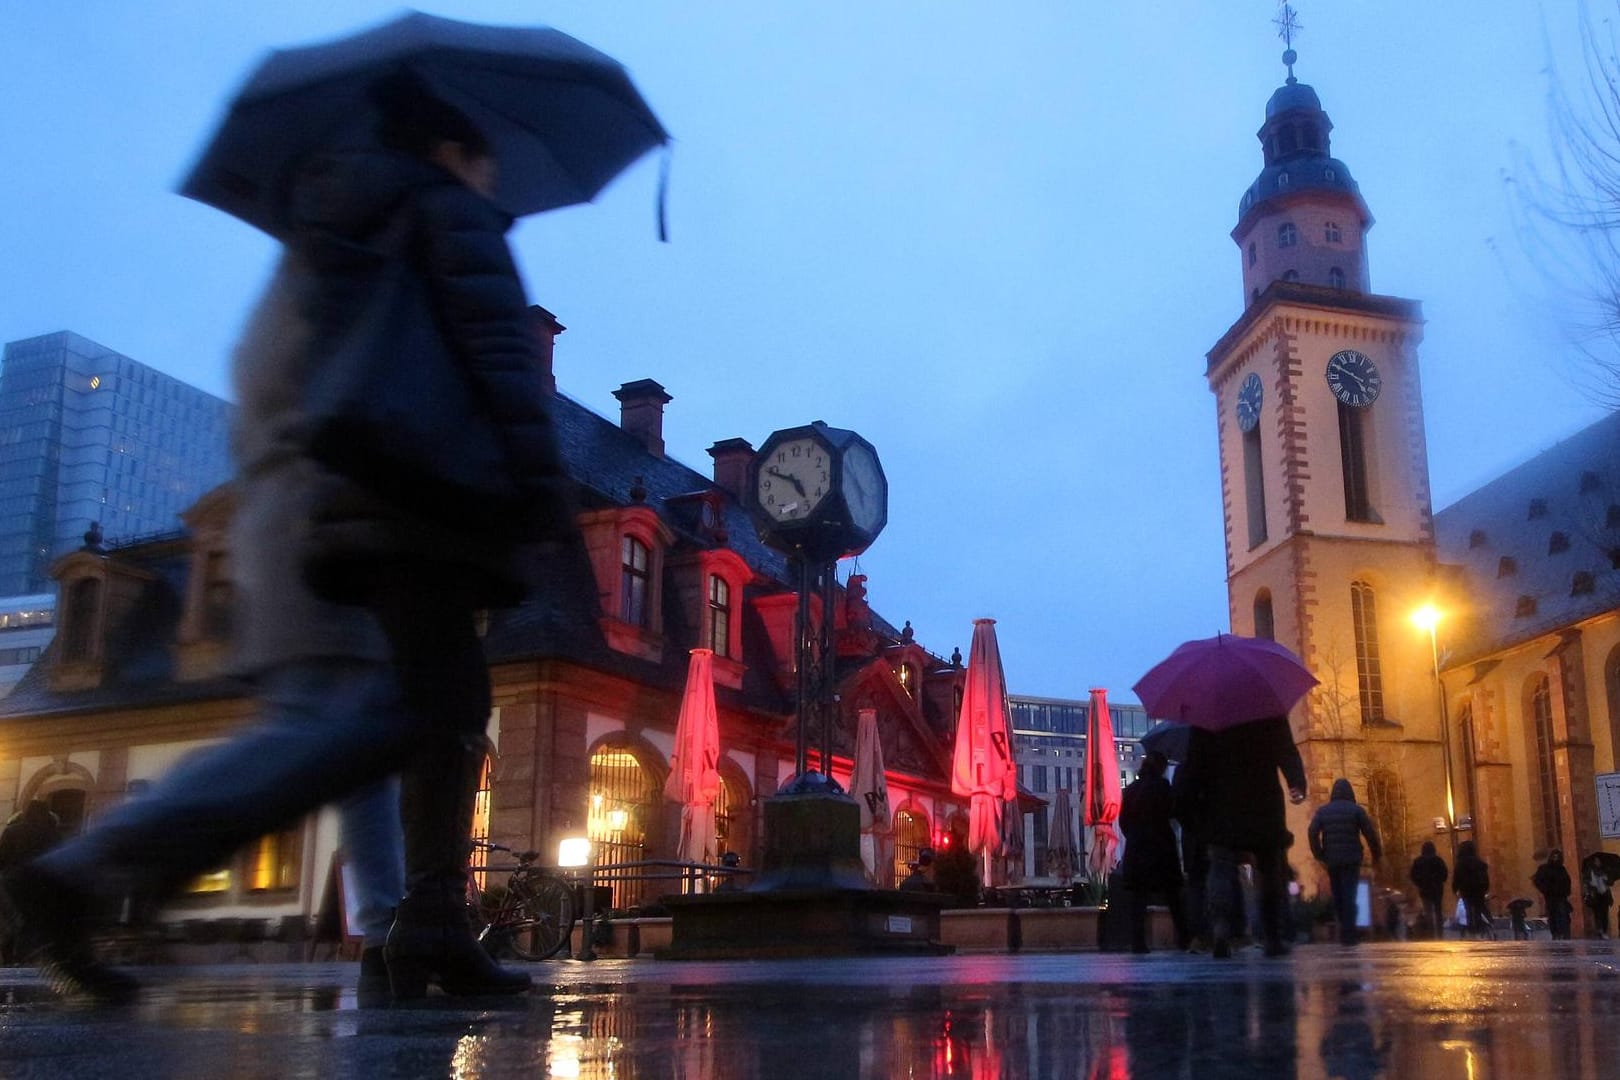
641	412
546	328
731	460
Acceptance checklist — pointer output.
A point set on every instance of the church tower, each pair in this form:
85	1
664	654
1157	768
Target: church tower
1324	475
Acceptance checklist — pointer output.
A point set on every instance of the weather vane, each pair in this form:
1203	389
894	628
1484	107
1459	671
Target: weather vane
1288	24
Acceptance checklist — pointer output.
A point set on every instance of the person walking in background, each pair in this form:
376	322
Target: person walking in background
1335	834
1429	874
1150	866
1233	778
1471	882
919	880
28	833
329	732
1551	880
1597	895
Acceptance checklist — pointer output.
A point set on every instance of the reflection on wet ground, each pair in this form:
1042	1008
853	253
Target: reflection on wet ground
1415	1010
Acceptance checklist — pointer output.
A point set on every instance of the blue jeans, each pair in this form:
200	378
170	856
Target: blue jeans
374	847
329	728
1344	881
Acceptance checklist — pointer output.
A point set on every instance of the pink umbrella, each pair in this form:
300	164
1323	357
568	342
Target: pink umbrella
869	787
694	773
1220	682
1101	806
982	765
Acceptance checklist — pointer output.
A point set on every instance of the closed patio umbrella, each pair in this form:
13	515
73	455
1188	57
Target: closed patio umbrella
694	773
982	764
869	787
1012	843
1102	795
1062	855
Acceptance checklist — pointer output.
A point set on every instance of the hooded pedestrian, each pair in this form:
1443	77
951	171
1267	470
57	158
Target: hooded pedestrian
1429	874
1597	894
1150	867
1336	832
1551	879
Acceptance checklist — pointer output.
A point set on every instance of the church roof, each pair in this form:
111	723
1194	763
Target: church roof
1539	546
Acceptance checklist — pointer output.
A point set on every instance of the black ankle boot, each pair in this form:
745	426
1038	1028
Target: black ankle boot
50	921
432	941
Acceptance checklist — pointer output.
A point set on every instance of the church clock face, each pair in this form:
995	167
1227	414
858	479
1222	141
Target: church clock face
1250	395
1353	378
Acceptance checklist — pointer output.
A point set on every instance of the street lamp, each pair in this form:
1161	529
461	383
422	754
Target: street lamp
1427	618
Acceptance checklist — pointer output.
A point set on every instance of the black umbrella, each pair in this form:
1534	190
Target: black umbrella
1604	862
564	119
1169	739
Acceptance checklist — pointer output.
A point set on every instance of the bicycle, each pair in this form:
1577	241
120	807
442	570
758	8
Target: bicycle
532	916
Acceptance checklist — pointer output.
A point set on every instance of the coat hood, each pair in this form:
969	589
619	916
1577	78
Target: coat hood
1427	849
1343	790
1466	850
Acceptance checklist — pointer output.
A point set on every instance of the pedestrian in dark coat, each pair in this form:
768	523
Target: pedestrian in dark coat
1471	881
1233	778
1551	879
1150	867
28	833
1429	874
420	576
1336	831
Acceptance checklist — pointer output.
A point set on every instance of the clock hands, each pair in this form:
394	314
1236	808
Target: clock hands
789	478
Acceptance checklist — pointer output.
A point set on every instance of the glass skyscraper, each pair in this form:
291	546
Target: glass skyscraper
90	436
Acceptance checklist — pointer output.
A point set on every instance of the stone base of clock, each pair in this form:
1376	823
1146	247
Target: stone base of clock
804	922
812	841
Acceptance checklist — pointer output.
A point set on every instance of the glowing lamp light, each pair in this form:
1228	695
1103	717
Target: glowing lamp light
574	851
1426	617
618	819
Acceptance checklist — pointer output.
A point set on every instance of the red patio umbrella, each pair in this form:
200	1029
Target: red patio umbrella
982	765
694	773
1101	806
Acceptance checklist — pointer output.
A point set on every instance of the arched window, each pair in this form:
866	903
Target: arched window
1353	463
719	615
1369	670
84	601
1543	769
731	821
1291	275
1254	487
1287	235
1335	277
634	561
1330	231
1264	624
910	837
623	803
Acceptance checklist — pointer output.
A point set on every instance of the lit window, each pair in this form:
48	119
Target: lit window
719	615
274	861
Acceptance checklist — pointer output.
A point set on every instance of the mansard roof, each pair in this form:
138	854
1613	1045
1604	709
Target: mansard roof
1540	544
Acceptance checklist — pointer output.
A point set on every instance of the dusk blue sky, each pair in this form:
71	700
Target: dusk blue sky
992	239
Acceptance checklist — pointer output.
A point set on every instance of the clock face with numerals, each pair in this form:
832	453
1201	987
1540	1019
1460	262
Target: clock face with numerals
1353	378
793	479
1250	395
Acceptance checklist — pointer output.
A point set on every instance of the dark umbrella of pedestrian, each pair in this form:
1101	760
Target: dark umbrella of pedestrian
1169	739
562	118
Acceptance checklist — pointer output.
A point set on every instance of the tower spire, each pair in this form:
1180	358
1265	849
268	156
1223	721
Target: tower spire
1288	25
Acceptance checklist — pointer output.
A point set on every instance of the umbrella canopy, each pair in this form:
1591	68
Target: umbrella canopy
982	765
1604	863
1062	854
694	773
563	118
1169	739
869	787
1220	682
1101	800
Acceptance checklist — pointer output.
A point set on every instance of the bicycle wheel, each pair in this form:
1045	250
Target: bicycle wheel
542	919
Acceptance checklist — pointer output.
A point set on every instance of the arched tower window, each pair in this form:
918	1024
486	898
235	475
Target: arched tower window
1369	669
1543	770
1353	463
1331	232
1254	487
1265	625
1287	235
1335	277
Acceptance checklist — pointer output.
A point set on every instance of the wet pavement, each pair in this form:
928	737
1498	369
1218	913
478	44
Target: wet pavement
1424	1010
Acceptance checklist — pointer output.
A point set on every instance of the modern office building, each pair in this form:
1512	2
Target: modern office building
1049	746
89	436
27	624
